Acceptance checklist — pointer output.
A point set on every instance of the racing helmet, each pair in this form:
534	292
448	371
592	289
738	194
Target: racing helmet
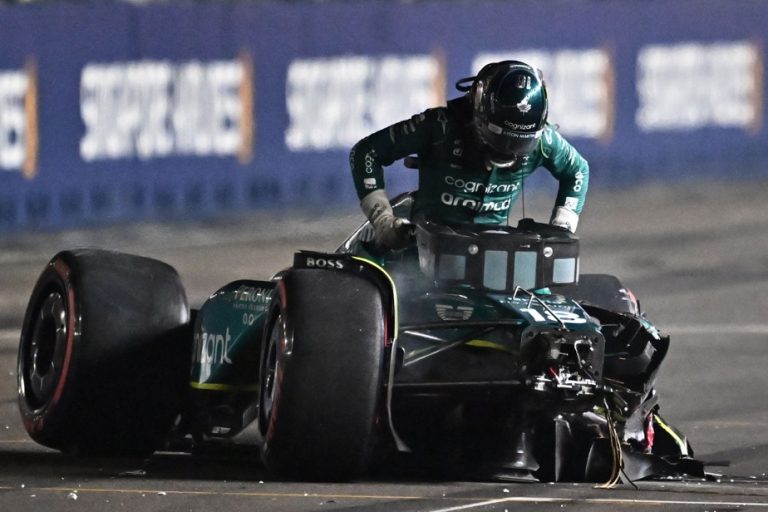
509	110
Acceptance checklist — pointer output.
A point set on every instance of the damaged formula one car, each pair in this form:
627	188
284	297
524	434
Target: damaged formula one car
477	353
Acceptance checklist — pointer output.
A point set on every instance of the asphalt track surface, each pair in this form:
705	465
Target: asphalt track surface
695	254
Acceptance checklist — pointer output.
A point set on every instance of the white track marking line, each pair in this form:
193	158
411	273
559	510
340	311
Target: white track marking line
715	329
497	501
603	501
468	506
9	333
619	501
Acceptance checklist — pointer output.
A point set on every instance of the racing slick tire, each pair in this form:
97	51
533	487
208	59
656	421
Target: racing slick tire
104	354
321	375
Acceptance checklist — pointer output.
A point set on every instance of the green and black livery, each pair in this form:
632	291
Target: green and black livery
479	352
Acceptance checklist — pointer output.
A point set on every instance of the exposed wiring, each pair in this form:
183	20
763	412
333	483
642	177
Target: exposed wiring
617	462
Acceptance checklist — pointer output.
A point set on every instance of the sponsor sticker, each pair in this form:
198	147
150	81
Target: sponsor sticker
477	205
479	186
313	262
448	312
317	260
494	128
524	106
212	348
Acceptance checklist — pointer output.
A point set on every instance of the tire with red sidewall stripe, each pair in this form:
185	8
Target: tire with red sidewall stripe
104	353
321	375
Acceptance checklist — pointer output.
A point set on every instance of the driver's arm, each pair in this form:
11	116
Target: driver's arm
367	160
382	148
572	171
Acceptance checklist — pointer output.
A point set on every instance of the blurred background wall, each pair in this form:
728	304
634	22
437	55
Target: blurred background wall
113	112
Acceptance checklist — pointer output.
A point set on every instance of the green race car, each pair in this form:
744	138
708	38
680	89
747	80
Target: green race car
478	352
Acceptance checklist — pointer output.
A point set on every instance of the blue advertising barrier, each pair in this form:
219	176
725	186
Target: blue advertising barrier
116	112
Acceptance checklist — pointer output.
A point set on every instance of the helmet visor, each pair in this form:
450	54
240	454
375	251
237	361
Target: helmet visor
504	144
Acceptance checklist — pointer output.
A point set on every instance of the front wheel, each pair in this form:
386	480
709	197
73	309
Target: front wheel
321	375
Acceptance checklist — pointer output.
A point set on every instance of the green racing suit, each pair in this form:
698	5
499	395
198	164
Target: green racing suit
455	186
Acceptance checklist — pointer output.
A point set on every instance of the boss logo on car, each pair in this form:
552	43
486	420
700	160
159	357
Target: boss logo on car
313	262
321	260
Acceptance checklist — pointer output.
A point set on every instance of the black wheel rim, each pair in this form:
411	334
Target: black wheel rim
43	357
271	368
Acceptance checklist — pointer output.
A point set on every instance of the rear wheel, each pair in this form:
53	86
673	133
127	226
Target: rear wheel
104	352
321	375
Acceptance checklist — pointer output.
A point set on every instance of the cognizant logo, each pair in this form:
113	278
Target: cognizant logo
479	186
212	348
463	202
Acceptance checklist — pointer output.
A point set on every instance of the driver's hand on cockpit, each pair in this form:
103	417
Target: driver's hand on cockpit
565	218
390	232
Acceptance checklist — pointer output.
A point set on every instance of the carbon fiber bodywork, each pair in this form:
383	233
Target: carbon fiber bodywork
552	381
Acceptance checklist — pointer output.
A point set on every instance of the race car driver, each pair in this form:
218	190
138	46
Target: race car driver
473	155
